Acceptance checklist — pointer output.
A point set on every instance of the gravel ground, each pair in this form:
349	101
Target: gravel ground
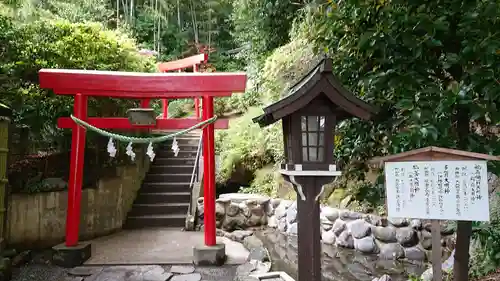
37	272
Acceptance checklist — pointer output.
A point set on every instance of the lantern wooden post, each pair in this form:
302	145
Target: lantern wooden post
453	185
309	115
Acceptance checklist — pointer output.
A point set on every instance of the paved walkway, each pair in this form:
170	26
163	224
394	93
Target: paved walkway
125	273
140	255
156	246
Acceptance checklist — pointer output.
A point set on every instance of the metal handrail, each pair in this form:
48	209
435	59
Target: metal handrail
194	174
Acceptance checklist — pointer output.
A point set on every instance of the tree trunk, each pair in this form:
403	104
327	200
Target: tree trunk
179	14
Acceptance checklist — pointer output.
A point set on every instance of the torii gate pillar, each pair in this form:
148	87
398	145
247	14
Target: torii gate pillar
145	86
210	253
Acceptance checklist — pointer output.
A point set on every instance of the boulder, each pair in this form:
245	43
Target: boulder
282	226
233	209
414	253
416	224
338	226
406	236
358	228
220	210
244	209
291	215
330	213
328	237
385	234
345	240
272	222
425	239
347	215
280	211
373	219
391	251
366	245
292	229
398	222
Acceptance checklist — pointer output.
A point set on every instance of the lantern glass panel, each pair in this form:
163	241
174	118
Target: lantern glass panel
313	139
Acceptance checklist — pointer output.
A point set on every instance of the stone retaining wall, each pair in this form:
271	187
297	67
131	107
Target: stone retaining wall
367	233
38	220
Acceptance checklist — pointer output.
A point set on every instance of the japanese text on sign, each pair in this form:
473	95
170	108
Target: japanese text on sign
445	190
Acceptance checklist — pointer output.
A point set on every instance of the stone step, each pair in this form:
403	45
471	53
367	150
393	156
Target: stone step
180	178
159	209
163	197
175	161
181	154
182	141
172	169
164	187
172	220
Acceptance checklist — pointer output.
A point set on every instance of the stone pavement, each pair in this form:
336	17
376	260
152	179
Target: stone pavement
156	246
126	273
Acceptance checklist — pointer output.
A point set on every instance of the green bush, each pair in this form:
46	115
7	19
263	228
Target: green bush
247	145
284	67
268	181
485	247
59	44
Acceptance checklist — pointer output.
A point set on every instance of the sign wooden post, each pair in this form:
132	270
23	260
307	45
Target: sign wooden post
438	184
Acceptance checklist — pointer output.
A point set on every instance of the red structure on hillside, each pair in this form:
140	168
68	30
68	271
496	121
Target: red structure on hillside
143	86
192	61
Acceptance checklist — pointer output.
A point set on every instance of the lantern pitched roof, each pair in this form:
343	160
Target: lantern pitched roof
319	81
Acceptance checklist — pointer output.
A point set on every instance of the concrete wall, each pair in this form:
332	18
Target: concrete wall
38	220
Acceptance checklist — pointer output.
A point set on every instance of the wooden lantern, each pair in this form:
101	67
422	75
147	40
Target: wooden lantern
310	111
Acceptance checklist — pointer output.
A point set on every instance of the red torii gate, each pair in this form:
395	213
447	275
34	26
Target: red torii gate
144	86
192	61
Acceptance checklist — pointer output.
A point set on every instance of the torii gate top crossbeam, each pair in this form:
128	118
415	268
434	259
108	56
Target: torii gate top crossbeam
182	63
141	85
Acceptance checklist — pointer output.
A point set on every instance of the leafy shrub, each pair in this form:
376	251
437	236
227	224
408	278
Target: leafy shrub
285	66
180	108
247	145
268	181
59	44
485	250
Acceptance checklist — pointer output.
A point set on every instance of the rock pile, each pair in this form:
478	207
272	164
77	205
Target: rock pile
390	238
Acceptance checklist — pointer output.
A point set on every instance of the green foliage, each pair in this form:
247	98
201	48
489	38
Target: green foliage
179	108
79	10
265	182
283	68
247	145
485	253
58	44
262	24
430	68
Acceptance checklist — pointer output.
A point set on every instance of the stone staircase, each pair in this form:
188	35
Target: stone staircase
165	195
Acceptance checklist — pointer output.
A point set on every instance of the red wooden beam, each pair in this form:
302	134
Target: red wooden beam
140	95
182	63
120	123
140	85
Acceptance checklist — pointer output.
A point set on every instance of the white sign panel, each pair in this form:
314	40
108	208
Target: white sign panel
443	190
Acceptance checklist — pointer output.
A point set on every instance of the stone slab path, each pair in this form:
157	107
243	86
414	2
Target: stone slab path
156	246
126	273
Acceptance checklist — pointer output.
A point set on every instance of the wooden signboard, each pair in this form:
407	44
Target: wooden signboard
439	184
438	190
